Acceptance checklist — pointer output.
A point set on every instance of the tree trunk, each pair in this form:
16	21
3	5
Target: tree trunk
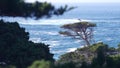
87	42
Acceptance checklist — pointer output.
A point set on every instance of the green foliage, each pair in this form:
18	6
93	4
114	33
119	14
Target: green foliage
99	56
70	57
7	66
84	65
16	49
40	64
118	47
22	9
79	25
96	47
66	65
80	53
99	61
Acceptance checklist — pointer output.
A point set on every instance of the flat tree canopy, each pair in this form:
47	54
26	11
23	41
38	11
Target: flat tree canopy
80	30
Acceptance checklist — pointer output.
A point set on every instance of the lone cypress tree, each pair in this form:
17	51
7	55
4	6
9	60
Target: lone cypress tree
80	30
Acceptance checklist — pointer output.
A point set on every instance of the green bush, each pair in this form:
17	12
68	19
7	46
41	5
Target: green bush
17	50
40	64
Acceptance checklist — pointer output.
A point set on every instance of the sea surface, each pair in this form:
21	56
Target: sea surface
105	15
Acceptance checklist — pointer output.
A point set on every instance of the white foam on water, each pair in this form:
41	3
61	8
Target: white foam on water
58	51
49	22
78	41
52	43
30	21
34	32
109	39
43	32
36	40
71	49
52	33
99	41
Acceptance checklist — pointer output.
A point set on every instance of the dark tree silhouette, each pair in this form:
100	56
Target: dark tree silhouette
22	9
16	49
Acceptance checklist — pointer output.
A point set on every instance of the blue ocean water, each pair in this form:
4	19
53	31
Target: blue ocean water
105	15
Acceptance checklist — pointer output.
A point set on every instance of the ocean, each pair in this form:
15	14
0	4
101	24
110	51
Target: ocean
105	15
